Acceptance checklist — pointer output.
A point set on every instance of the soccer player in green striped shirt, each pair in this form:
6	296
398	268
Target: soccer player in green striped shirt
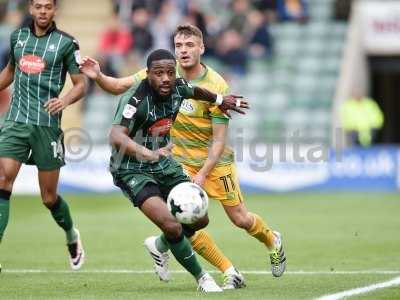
141	165
40	57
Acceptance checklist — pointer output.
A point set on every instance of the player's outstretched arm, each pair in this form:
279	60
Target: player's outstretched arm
225	103
56	105
116	86
120	139
6	76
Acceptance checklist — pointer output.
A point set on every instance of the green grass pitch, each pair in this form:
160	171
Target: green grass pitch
325	235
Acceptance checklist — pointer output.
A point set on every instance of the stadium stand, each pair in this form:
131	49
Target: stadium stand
294	91
290	90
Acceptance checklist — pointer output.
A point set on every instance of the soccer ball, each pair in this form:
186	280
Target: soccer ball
187	202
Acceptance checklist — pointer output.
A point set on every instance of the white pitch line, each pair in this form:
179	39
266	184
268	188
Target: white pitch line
362	290
254	272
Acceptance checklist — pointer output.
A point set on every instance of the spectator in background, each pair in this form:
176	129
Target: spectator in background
230	50
125	8
163	26
152	6
361	118
115	42
342	9
142	36
268	8
292	10
240	10
115	39
196	17
260	43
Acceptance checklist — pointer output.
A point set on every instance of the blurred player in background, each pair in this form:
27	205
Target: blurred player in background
141	165
41	55
210	166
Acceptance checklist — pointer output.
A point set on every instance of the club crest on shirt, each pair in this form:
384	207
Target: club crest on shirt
52	48
32	64
129	111
160	128
132	183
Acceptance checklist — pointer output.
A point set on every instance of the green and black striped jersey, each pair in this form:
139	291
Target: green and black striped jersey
149	119
41	64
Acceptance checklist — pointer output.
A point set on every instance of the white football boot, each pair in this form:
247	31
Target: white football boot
160	259
207	284
76	253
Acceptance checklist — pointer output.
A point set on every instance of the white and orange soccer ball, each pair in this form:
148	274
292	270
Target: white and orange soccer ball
187	202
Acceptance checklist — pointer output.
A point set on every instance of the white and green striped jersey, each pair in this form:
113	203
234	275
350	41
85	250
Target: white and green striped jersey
41	64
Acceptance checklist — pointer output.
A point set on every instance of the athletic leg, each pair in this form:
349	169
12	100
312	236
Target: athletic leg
156	210
9	169
257	228
204	244
48	182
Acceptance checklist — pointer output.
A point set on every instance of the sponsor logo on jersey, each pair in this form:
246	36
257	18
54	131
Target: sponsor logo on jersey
136	99
32	64
20	44
160	128
129	111
187	107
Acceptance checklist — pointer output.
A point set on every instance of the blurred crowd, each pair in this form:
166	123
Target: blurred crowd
234	30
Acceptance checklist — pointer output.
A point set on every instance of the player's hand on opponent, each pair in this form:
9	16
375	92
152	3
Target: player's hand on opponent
164	151
90	67
199	179
55	105
233	102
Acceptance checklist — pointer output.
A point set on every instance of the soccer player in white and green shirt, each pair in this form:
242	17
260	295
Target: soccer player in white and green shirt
41	56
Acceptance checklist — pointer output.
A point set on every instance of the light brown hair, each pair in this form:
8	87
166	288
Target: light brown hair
188	30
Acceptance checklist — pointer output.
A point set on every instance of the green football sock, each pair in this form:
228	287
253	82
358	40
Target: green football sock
162	244
62	216
184	254
4	211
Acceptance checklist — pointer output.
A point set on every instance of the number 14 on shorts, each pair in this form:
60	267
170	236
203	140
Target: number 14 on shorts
58	149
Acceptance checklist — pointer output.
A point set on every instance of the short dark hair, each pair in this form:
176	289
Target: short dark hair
159	54
54	1
188	30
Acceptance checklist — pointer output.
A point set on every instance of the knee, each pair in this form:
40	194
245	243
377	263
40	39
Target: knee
49	198
172	229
